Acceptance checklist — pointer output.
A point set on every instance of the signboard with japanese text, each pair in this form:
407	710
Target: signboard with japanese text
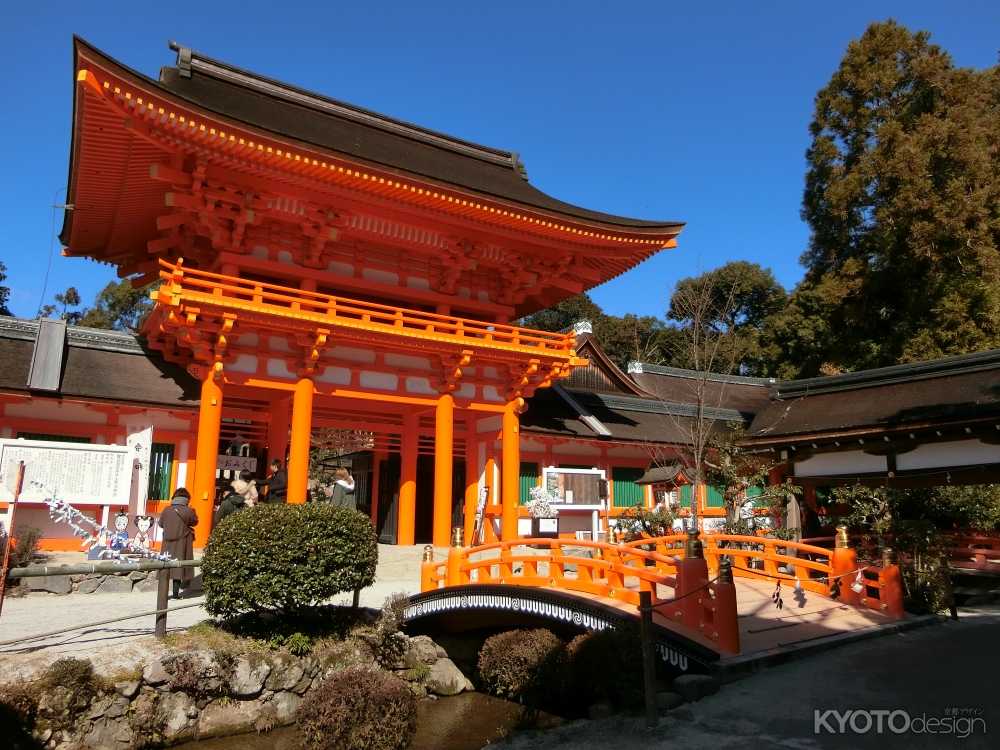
78	473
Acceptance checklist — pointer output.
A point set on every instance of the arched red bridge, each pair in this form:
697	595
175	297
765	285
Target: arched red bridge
707	592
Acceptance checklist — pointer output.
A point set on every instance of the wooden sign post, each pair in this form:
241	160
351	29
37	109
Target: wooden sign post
10	533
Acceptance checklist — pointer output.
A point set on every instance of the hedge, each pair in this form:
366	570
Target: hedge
358	709
286	557
520	664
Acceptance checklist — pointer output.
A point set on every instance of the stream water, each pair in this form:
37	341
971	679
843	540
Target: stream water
463	722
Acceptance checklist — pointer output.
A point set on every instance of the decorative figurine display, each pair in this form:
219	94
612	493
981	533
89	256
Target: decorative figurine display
142	538
99	542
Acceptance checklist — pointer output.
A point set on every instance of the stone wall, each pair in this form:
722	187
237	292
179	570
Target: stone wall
93	583
192	693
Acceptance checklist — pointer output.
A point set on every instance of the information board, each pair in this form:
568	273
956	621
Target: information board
79	473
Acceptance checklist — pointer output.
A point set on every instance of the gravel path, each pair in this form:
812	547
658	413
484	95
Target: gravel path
123	643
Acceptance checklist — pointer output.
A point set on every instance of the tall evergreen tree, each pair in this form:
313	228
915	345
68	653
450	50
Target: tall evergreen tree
903	199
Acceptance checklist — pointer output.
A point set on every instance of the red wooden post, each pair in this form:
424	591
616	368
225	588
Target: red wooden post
891	586
844	564
726	615
10	533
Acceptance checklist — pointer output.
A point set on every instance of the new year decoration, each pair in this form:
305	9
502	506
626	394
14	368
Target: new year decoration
100	543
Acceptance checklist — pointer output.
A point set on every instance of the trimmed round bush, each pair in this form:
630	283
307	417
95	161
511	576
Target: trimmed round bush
519	664
286	557
358	709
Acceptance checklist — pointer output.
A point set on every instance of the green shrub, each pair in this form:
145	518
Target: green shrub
604	666
520	664
358	709
286	557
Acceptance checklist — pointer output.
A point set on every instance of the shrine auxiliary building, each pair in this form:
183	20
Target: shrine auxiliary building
327	266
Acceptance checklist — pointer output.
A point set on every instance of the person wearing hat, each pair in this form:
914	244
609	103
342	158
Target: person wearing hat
178	522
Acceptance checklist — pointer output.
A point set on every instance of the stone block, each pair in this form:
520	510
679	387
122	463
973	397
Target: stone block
286	671
248	678
284	706
90	585
115	585
148	584
155	673
422	650
446	679
52	584
221	719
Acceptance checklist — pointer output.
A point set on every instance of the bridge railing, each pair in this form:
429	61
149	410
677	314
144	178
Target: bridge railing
756	557
680	593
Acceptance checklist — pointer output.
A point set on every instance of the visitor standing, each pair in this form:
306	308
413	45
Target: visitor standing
178	522
231	503
277	483
343	490
246	486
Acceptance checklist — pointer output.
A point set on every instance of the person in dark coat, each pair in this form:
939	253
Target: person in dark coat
178	522
231	503
277	483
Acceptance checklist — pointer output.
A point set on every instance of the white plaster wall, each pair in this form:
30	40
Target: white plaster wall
490	393
351	354
958	453
419	385
245	363
383	381
336	375
278	368
845	462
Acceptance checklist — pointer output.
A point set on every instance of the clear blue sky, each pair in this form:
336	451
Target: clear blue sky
696	111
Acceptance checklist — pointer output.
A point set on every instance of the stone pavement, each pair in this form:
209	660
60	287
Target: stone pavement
123	642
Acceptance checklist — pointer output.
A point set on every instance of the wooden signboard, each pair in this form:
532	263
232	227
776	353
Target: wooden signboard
79	473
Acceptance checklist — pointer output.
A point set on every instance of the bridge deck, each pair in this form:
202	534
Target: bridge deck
764	627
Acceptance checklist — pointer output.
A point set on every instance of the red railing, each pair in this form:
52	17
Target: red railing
685	598
212	289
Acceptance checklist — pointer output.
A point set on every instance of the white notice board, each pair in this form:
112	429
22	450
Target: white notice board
79	473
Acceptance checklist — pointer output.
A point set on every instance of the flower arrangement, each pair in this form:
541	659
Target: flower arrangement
540	504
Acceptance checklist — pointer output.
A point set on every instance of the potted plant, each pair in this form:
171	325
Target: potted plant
544	521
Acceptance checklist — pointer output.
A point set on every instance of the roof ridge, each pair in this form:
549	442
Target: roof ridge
189	60
673	408
715	377
927	369
79	336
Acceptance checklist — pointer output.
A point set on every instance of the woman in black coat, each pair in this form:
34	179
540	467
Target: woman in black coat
178	522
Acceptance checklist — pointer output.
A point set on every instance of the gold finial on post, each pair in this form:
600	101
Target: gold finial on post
456	536
428	553
841	540
888	557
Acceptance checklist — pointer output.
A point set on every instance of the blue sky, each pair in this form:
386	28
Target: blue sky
662	110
